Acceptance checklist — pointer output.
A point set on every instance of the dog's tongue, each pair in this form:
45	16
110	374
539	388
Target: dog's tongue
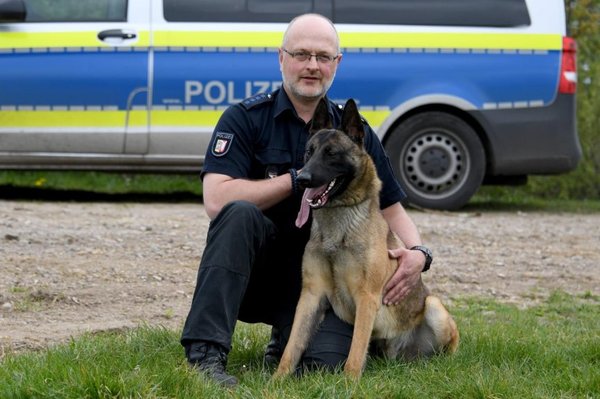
309	194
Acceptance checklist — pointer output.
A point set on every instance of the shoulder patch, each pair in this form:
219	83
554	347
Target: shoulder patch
221	143
256	100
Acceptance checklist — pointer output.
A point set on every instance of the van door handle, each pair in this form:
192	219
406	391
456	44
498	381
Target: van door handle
116	33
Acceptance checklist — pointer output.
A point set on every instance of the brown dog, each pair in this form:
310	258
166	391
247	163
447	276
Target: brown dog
346	262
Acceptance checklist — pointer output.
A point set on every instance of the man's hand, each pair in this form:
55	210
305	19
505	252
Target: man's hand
406	277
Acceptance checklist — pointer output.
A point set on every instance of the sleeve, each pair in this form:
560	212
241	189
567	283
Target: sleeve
391	191
231	145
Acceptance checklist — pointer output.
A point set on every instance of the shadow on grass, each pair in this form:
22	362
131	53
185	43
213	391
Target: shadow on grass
10	192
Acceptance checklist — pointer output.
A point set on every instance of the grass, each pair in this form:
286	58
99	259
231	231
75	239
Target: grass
113	186
72	184
26	299
551	350
507	198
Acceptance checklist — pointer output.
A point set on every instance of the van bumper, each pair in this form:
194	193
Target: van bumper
540	140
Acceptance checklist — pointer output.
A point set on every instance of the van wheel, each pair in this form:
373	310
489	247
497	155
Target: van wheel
438	159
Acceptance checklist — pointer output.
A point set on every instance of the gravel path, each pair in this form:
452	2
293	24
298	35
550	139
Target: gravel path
68	268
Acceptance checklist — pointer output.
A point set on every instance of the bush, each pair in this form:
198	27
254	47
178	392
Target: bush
583	19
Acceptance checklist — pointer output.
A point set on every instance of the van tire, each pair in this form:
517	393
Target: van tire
438	160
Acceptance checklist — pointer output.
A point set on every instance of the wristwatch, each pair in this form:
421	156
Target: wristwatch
428	256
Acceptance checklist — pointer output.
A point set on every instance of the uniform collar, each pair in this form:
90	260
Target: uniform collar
283	104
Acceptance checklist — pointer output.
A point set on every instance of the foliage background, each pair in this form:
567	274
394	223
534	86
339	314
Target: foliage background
583	19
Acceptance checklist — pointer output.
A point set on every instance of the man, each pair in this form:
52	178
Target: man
250	269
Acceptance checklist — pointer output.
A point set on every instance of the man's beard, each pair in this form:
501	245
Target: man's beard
298	92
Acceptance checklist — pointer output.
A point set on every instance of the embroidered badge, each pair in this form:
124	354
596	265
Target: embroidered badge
222	143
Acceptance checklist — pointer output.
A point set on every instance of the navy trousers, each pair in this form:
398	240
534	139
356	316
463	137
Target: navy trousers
251	272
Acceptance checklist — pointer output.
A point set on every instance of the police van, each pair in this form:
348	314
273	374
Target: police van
460	92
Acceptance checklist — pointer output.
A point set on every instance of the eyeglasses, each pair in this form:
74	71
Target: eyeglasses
302	56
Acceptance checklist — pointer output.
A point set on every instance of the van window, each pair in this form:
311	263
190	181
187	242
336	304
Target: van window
493	13
75	10
235	10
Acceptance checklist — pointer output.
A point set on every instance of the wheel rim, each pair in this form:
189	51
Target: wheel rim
435	164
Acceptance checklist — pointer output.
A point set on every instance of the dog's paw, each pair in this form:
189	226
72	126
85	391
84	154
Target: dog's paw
281	372
353	372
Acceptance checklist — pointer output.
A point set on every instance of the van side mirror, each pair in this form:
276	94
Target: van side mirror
12	11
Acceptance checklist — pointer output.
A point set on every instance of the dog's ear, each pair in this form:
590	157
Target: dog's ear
321	119
352	122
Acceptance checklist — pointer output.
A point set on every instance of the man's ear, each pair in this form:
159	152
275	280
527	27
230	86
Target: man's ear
280	56
352	122
321	119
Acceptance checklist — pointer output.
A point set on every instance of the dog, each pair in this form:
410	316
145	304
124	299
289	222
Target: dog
346	262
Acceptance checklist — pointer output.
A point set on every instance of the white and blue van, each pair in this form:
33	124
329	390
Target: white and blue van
461	92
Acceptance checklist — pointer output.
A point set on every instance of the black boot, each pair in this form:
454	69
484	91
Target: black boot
210	359
274	350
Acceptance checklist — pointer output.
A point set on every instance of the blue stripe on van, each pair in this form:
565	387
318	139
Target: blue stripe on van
216	72
62	78
479	78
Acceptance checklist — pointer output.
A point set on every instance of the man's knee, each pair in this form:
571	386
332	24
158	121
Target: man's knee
240	212
240	219
237	237
330	345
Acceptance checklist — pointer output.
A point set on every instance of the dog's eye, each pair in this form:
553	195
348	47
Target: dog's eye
330	152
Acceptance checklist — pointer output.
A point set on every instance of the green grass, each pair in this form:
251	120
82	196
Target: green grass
551	350
507	198
74	185
103	182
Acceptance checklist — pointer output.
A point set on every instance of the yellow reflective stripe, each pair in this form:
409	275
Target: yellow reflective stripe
217	39
62	39
366	40
62	118
451	40
375	118
178	118
107	118
137	119
184	118
273	39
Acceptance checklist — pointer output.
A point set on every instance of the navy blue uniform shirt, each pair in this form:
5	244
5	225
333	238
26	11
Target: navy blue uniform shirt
262	137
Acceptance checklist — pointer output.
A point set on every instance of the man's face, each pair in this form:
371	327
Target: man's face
311	78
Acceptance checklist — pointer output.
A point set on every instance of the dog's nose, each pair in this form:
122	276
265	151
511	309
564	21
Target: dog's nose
304	179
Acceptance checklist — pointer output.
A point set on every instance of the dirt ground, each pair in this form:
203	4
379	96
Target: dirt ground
69	268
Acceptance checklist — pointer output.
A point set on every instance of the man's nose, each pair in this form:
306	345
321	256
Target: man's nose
312	61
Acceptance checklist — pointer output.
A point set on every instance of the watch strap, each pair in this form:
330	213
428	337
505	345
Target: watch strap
428	256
